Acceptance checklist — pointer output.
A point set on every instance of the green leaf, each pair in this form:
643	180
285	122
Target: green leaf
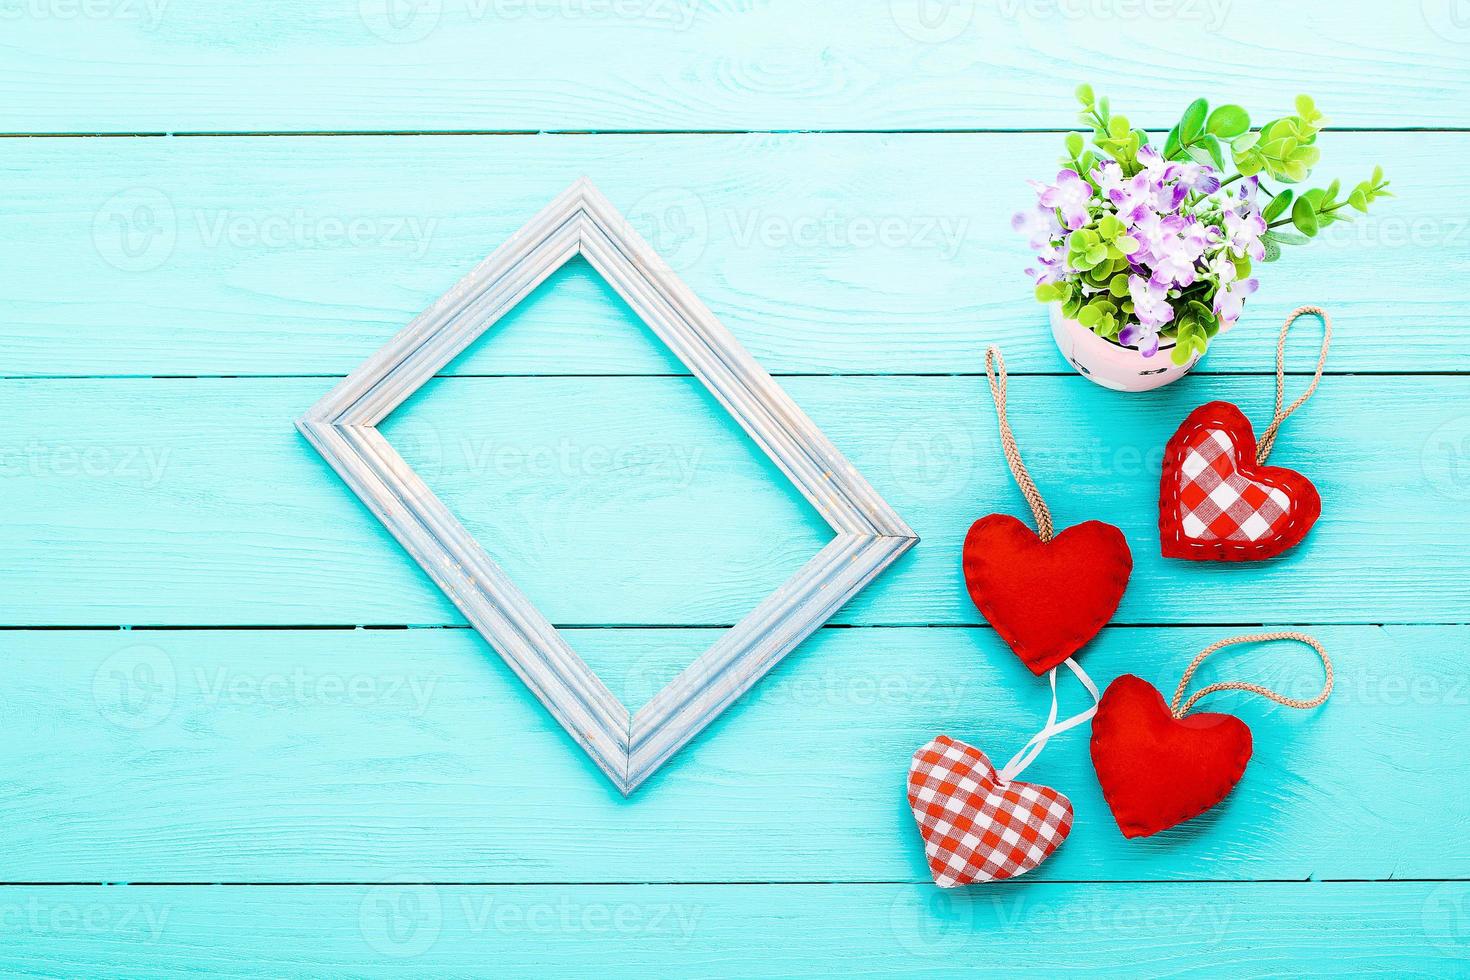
1311	117
1228	122
1192	123
1212	147
1359	200
1075	143
1278	129
1377	175
1278	206
1284	237
1171	144
1084	94
1118	127
1245	141
1304	216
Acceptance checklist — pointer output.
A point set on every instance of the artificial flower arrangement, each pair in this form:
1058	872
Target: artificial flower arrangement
1146	245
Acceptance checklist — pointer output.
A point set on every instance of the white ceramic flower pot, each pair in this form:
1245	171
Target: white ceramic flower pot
1109	363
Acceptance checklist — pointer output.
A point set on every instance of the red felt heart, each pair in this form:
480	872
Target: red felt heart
975	827
1157	770
1215	501
1046	598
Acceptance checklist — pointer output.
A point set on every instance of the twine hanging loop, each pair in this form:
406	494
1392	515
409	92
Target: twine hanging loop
1268	437
995	371
1264	692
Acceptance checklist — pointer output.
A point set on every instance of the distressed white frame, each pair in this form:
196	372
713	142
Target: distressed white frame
628	747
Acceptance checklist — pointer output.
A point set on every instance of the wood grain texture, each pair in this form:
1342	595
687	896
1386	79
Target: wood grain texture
365	755
1403	929
630	501
195	65
823	253
778	843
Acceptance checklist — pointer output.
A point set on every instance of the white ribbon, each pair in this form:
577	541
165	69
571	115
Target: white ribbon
1033	748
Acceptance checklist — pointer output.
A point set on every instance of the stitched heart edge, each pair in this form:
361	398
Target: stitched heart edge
1041	661
1226	417
1131	826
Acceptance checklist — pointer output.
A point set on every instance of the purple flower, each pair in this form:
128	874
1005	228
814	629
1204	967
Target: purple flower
1136	199
1177	244
1039	225
1109	177
1221	266
1243	231
1144	336
1154	164
1230	300
1198	177
1053	261
1070	194
1151	307
1245	195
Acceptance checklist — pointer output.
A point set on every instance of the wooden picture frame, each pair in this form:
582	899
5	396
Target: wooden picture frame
628	747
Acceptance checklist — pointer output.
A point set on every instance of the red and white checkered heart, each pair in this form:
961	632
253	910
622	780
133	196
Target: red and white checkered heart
1217	503
975	827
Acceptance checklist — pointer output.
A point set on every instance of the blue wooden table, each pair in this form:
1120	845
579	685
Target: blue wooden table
243	734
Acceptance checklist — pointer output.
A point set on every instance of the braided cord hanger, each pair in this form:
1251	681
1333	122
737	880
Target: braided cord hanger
1264	692
1268	437
995	371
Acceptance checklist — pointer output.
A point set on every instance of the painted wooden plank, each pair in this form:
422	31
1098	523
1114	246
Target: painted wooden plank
363	755
1404	929
632	501
191	65
822	253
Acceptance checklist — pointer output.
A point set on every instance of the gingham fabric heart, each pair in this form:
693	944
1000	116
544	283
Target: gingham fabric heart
975	827
1217	503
